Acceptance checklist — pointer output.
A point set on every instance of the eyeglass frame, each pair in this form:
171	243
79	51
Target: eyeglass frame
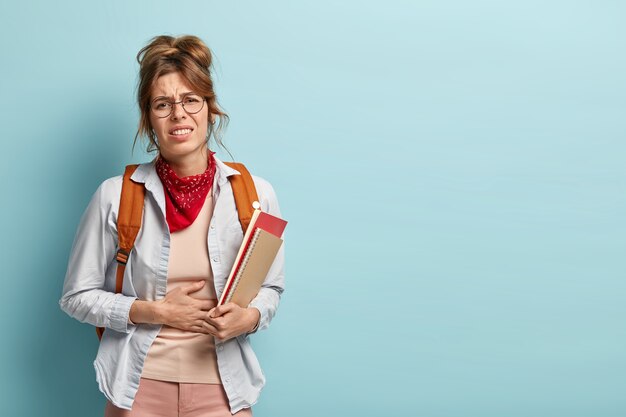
174	103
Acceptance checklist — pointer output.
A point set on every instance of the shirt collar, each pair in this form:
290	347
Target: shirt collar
146	173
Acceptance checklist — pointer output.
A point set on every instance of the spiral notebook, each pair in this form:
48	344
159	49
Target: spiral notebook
260	245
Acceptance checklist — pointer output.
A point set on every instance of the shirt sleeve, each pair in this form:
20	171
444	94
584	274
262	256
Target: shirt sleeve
268	298
84	297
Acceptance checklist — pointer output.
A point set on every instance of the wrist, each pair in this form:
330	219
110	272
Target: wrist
157	312
146	312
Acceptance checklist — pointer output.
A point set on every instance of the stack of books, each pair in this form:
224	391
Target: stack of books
258	250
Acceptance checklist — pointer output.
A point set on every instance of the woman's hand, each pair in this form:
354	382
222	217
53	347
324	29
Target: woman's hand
230	320
180	310
177	309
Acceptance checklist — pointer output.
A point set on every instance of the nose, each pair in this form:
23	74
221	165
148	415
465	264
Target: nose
178	111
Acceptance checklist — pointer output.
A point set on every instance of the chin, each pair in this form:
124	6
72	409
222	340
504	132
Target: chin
182	149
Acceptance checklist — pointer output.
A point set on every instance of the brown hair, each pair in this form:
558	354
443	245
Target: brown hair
189	56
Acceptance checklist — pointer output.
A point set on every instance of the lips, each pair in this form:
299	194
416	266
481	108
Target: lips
180	130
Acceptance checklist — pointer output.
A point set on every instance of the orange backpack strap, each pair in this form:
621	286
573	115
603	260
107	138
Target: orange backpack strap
128	224
244	192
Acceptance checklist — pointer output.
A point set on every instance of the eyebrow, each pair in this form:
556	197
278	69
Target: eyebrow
172	97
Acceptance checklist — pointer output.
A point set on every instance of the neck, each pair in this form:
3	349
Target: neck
187	165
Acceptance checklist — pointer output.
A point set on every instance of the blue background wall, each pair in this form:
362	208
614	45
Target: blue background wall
453	173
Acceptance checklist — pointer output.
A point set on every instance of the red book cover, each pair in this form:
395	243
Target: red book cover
269	223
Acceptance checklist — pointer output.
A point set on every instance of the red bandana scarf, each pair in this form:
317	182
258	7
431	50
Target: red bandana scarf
184	197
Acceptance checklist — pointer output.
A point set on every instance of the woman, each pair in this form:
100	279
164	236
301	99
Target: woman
167	350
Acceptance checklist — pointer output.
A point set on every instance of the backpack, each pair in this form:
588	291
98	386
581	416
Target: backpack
131	210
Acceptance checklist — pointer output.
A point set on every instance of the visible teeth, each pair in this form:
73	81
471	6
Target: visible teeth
181	131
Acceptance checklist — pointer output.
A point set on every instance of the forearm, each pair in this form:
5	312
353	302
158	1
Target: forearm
146	312
98	308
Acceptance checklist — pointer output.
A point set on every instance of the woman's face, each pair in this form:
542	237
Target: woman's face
173	135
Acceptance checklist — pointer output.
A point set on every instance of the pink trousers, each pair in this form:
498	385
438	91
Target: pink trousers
167	399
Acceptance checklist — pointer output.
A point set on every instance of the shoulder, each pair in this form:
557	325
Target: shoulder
267	195
265	190
101	212
111	186
262	185
107	195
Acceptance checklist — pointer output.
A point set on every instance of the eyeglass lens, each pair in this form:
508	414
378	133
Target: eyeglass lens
192	103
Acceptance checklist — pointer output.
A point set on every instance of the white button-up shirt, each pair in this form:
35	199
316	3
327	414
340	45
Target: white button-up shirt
89	287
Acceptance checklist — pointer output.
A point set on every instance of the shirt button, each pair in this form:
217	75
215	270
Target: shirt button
212	226
227	379
215	259
220	348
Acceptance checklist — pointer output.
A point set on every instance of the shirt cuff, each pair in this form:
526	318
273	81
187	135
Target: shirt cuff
260	305
120	313
256	326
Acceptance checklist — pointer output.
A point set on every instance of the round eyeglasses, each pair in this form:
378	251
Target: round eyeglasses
192	103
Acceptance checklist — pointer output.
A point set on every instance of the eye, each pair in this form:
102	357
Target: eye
191	100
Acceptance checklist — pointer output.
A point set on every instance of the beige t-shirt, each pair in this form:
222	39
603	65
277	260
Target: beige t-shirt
178	355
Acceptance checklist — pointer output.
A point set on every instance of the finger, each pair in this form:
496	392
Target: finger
206	327
192	287
223	309
209	328
199	329
223	336
207	317
216	322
